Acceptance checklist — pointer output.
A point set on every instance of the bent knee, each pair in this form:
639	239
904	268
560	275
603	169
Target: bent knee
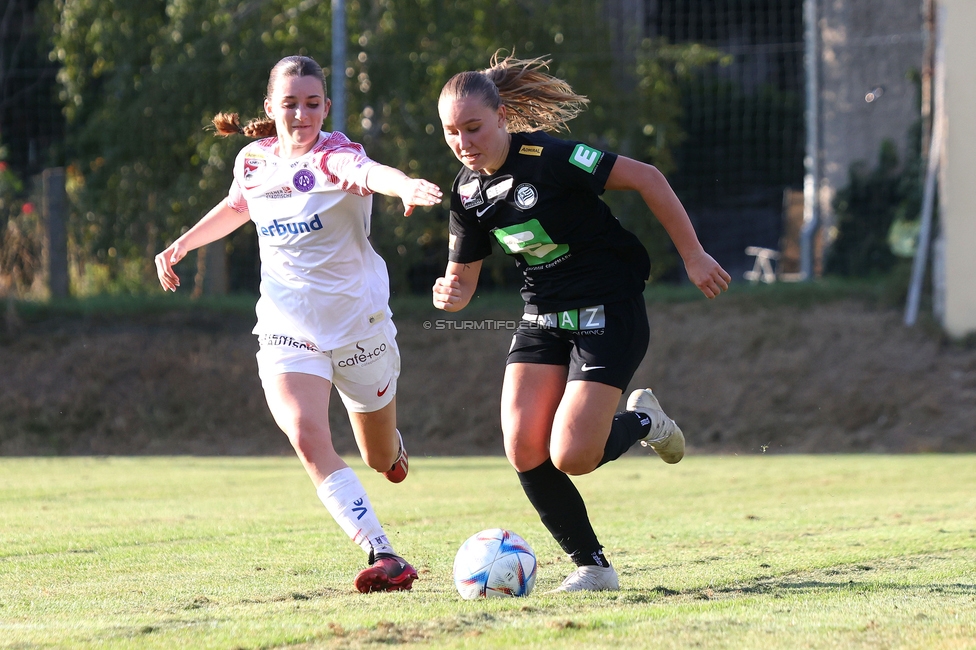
379	461
524	454
576	463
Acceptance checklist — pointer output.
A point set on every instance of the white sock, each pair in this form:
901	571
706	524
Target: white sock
345	499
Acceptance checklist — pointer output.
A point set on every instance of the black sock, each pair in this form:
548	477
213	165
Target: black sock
563	512
628	427
594	558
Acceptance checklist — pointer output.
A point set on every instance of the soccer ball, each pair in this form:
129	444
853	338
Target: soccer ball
494	562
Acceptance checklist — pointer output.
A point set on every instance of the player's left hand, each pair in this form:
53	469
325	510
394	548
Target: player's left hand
418	192
710	278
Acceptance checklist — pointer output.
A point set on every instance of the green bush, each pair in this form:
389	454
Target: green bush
872	204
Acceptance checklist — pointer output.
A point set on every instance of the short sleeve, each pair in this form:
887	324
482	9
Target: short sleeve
468	241
586	165
345	163
235	196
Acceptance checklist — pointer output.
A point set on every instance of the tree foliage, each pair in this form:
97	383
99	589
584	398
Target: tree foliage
141	79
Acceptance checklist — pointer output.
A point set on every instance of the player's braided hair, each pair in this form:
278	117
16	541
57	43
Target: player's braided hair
534	99
264	127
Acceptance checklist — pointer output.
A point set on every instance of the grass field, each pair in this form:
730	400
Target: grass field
717	552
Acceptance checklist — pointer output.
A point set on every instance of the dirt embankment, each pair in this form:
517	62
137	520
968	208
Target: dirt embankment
737	377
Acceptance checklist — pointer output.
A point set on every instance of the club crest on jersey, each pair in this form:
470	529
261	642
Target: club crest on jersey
303	180
470	194
526	196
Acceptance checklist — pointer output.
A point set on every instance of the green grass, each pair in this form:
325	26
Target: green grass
717	552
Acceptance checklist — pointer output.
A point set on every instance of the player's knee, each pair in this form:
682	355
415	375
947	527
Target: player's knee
576	462
524	457
307	437
379	460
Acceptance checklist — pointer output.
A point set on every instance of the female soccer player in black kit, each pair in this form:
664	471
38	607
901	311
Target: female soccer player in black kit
585	330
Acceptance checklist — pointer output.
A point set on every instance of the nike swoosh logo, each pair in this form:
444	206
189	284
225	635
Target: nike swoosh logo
585	367
481	212
381	393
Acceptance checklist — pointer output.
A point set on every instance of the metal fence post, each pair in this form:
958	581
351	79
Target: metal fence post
55	216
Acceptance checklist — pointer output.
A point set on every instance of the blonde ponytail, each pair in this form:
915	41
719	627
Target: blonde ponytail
534	99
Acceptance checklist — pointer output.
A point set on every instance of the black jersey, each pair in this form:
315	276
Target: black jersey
543	207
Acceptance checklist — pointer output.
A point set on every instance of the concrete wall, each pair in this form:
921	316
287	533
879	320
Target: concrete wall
866	44
958	191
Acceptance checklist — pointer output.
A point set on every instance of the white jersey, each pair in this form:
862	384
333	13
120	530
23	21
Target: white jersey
321	280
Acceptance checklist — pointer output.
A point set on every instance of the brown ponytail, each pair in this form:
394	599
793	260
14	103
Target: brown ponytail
534	99
230	124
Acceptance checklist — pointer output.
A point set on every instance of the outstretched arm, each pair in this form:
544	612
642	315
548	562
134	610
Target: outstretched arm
454	291
219	222
412	191
703	271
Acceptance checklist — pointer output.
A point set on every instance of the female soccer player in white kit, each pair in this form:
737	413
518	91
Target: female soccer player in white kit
323	316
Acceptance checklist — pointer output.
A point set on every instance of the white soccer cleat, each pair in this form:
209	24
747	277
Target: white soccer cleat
589	578
665	436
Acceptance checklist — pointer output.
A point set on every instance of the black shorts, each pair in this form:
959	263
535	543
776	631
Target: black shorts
603	343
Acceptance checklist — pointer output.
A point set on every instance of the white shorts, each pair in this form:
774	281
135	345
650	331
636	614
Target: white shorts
365	372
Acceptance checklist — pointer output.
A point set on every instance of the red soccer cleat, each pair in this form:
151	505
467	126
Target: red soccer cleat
400	468
388	573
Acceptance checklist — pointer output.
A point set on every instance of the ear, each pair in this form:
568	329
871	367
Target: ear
326	106
267	108
502	116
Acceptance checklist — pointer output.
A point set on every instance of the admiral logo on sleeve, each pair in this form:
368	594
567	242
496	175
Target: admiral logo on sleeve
586	158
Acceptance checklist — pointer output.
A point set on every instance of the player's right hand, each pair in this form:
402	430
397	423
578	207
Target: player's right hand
418	192
447	292
165	262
